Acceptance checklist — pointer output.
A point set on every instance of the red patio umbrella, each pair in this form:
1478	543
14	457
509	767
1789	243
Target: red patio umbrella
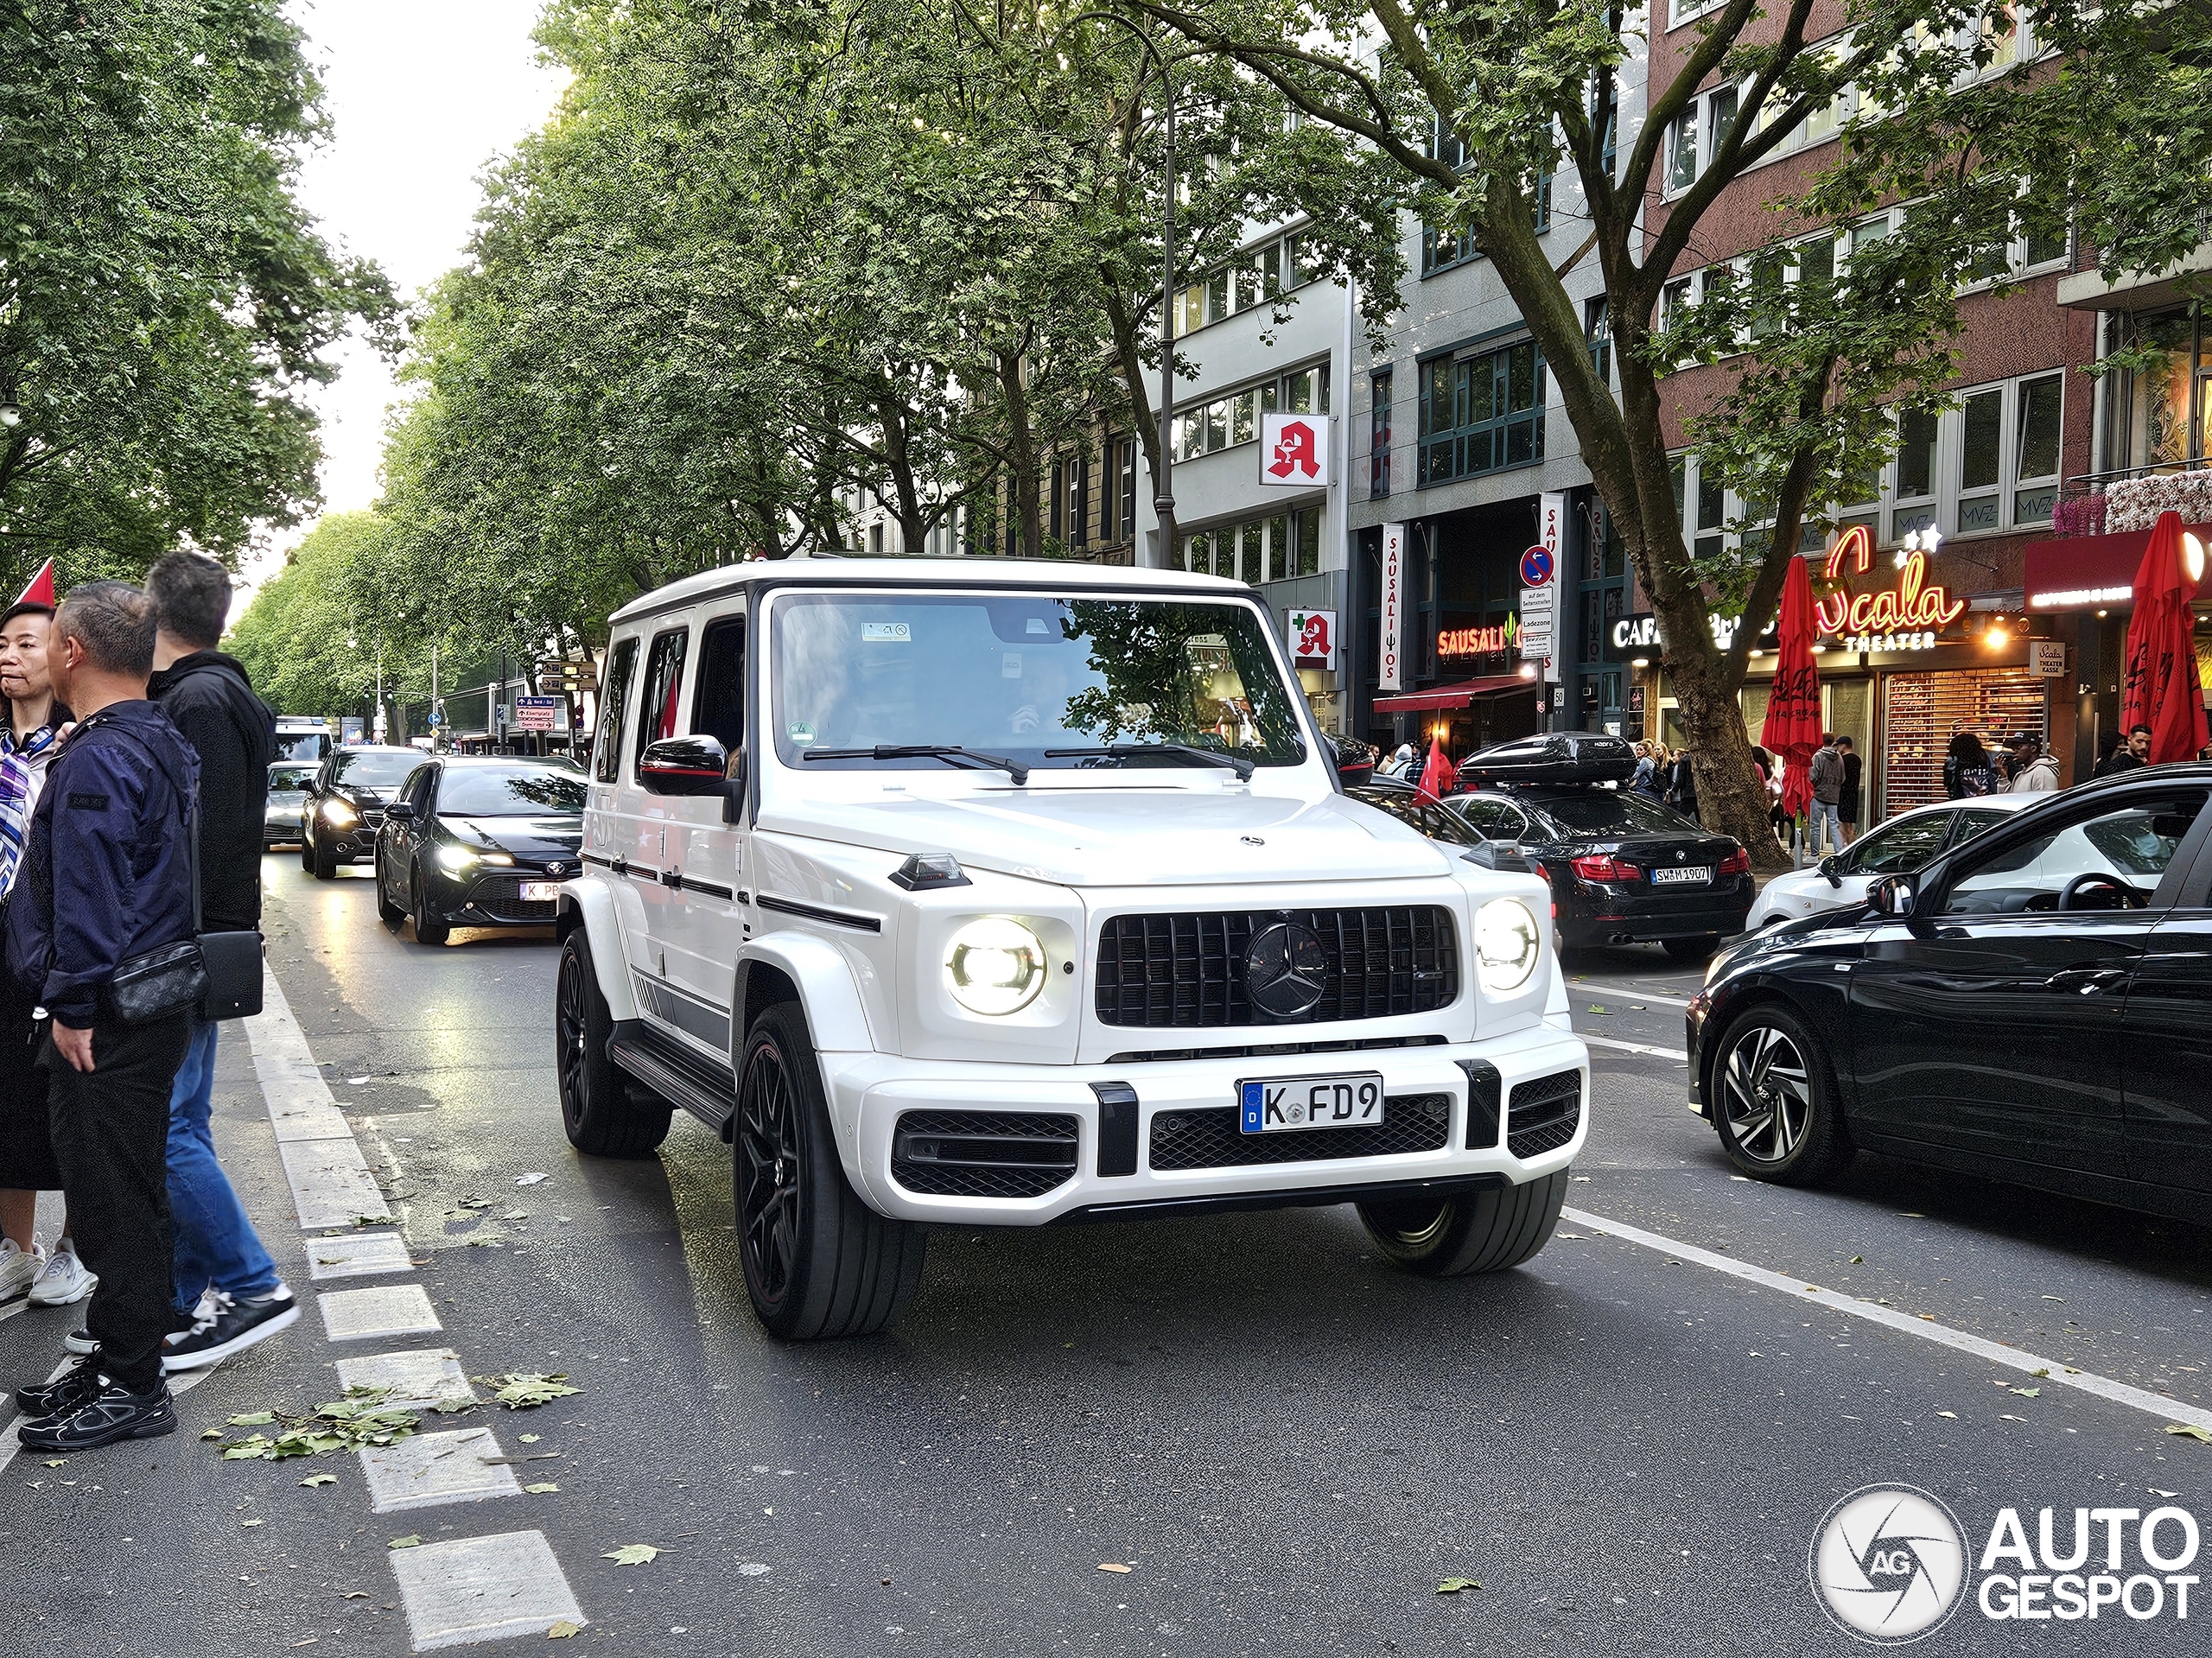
2161	689
1437	777
40	590
1793	708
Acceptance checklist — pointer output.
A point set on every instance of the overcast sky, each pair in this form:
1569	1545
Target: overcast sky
422	93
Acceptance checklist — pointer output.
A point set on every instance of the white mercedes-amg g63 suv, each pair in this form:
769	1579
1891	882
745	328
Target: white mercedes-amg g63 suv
1009	893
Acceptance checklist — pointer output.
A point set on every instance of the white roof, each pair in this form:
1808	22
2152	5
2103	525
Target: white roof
973	571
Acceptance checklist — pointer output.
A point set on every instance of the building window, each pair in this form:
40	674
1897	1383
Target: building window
1378	438
1129	488
1598	329
1442	249
1253	277
1480	413
1273	548
1225	422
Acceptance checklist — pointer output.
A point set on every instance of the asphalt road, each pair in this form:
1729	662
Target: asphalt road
1288	1443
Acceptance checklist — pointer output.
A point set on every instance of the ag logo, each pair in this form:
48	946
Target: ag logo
1889	1564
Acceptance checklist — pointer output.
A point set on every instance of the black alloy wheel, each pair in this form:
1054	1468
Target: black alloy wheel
819	1264
1482	1231
1774	1101
428	929
603	1112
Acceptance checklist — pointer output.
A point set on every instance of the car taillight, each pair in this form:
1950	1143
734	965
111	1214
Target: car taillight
1603	866
1737	862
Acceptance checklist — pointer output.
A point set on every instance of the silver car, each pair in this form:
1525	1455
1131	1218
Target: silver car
288	798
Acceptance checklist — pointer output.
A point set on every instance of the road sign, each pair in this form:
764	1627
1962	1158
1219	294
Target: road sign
541	714
1535	643
1293	450
1536	567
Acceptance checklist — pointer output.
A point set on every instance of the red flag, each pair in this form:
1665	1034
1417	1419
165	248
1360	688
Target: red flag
1437	777
1793	708
40	591
2159	687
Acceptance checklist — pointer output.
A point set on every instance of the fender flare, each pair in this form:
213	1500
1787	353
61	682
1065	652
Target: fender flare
829	997
587	905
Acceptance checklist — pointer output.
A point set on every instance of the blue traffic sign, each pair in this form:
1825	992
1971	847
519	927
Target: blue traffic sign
1535	567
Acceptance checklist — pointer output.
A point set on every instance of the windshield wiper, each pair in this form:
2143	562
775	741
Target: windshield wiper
947	751
1242	768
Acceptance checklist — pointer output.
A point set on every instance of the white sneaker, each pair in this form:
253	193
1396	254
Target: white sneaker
18	1269
63	1281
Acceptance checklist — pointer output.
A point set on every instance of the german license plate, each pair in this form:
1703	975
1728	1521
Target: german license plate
1277	1105
1686	876
535	891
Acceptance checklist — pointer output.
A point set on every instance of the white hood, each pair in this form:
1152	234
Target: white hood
1130	837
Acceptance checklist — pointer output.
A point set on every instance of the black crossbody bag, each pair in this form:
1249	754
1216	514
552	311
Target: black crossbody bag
217	973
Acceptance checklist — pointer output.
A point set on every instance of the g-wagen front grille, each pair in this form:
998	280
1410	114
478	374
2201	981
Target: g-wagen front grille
1208	1138
1187	971
1542	1115
982	1154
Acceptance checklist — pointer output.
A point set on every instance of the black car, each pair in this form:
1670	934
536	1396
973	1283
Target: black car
2034	1005
346	803
1622	867
479	842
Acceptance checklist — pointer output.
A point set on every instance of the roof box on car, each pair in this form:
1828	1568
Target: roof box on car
1552	756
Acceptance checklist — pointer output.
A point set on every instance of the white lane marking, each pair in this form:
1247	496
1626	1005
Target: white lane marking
2012	1358
1580	985
426	1470
418	1380
387	1310
1680	1055
331	1183
358	1255
482	1589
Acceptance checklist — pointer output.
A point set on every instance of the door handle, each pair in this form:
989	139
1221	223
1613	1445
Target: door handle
2088	980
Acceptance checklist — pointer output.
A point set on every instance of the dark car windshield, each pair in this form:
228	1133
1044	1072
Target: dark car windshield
289	777
1610	811
371	768
510	791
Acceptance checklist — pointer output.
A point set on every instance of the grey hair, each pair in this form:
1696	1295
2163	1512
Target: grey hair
114	621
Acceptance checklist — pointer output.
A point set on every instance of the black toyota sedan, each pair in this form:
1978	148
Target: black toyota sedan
479	842
345	804
2034	1005
1622	867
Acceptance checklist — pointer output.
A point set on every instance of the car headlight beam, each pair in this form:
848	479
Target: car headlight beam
339	815
1507	944
995	966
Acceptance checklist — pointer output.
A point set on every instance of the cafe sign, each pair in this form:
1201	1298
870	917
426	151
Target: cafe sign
1905	617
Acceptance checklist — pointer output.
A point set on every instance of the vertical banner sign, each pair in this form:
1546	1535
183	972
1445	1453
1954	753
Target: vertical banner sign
1389	661
1551	525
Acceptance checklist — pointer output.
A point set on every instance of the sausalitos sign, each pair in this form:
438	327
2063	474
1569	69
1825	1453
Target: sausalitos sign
1906	617
1479	641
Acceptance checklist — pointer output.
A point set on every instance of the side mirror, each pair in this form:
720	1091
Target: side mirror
1351	770
1501	855
400	812
1829	866
683	766
1892	896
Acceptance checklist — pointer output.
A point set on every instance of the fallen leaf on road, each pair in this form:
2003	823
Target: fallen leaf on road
409	1541
2026	1393
1110	1565
1454	1585
1859	1261
1636	1007
527	1392
2005	1416
313	1480
354	1594
542	1486
1952	1414
213	1433
355	1082
244	1524
2155	1491
1596	1009
564	1629
254	1419
309	1641
2043	1372
531	1439
528	1179
630	1554
1928	1318
58	1462
2189	1431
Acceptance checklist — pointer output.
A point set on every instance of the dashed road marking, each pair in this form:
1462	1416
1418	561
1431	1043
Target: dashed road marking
2012	1358
483	1588
358	1255
331	1184
387	1310
1680	1055
426	1470
1579	987
418	1381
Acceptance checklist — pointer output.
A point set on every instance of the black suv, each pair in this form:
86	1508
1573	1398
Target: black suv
345	805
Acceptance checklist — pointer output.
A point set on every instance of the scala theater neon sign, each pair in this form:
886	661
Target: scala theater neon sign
1904	618
1479	641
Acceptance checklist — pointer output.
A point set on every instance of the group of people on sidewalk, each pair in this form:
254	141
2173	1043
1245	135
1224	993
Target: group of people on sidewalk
134	769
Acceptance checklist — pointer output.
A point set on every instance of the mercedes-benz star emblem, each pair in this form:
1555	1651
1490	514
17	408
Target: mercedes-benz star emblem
1284	970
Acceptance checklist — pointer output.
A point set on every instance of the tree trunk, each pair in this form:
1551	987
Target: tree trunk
905	492
1152	439
1028	519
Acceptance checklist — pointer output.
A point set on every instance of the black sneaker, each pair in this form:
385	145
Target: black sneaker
226	1326
79	1383
112	1414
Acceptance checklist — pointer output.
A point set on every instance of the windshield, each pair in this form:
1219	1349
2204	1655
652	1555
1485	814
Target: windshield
1019	676
1612	812
302	744
373	768
289	777
502	791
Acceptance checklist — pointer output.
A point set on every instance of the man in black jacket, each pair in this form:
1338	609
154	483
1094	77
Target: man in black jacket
106	877
228	1293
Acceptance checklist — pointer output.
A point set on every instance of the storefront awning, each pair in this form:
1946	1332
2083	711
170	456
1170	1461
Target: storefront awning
2092	572
1452	697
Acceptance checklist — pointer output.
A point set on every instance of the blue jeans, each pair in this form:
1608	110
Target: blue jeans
216	1244
1824	811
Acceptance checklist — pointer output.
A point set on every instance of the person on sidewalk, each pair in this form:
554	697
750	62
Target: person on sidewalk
1827	795
2033	771
106	880
1847	803
227	1288
28	744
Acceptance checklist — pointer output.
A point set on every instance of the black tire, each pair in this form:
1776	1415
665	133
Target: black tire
1485	1231
603	1112
819	1263
428	929
322	863
1691	949
1774	1101
389	914
306	852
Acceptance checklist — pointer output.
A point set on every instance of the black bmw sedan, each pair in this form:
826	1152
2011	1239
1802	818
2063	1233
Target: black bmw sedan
345	804
2035	1005
479	842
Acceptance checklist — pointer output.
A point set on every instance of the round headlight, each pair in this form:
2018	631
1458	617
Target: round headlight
1506	944
995	966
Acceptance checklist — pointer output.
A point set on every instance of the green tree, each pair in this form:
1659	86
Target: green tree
164	300
309	642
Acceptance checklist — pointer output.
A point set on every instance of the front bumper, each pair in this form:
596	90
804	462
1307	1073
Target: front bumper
869	1093
492	897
